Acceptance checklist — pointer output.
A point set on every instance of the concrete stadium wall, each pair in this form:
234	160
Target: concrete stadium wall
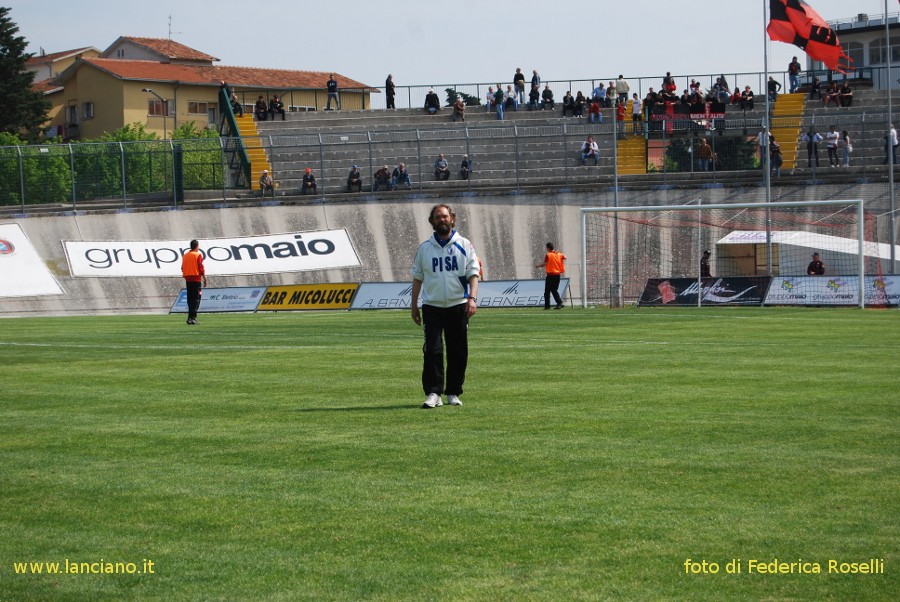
508	230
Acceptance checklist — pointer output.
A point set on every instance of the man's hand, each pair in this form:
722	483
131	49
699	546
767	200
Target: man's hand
415	316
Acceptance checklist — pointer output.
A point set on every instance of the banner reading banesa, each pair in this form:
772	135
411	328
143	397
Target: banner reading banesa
494	293
24	272
307	296
269	254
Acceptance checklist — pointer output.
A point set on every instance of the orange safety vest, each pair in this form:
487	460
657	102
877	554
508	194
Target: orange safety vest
192	266
554	261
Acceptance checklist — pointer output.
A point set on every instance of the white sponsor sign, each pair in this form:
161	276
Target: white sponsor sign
493	293
222	300
22	271
832	290
270	254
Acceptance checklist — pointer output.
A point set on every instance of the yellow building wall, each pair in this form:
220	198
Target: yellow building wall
105	91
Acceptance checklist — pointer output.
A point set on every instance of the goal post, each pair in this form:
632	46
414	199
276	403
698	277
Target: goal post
625	248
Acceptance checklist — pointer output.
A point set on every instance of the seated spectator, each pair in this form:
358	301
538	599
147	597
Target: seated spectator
266	183
354	179
832	95
595	114
547	98
441	168
261	109
459	110
815	89
747	99
579	104
432	102
465	168
568	103
401	176
236	105
512	101
382	179
534	97
276	106
735	97
846	95
590	150
685	98
309	182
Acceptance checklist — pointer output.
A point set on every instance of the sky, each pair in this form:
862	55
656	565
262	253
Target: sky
430	43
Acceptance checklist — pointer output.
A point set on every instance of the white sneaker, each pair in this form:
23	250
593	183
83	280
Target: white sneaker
453	400
432	401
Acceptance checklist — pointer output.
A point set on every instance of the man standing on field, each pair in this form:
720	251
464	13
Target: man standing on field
445	272
194	273
555	264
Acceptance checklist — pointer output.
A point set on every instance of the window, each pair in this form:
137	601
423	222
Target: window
877	55
198	107
87	110
158	108
855	51
73	114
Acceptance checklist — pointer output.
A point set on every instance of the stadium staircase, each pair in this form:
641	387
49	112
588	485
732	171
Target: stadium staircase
786	124
632	155
255	151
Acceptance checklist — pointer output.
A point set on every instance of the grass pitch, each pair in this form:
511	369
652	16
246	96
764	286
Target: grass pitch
285	457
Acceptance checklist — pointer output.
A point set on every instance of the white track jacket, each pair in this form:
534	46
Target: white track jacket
445	270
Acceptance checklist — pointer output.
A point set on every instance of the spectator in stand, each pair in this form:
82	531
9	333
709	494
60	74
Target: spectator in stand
832	139
547	98
499	103
685	98
846	94
465	168
600	94
775	157
812	140
579	104
568	103
519	84
236	105
815	267
668	82
401	176
735	98
309	182
622	88
773	88
815	89
704	155
382	179
432	102
594	113
512	99
890	146
846	148
536	79
489	99
651	100
620	119
637	114
590	150
459	110
794	75
261	109
832	94
276	106
747	99
266	183
698	101
332	86
441	168
668	97
354	179
612	96
534	97
389	91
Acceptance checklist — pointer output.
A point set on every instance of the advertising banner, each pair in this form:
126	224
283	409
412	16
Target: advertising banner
24	273
833	290
215	300
308	296
493	293
737	290
269	254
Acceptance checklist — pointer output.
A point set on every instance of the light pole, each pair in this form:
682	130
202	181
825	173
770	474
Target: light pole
165	108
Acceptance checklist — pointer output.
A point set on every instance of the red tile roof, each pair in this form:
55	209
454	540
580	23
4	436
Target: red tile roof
49	58
169	48
46	85
237	77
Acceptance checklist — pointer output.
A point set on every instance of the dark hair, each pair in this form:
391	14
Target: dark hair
438	206
195	243
550	246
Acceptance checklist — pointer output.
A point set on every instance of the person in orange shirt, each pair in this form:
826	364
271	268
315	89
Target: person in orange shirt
194	274
555	264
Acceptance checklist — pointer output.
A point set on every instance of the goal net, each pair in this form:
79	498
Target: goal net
648	254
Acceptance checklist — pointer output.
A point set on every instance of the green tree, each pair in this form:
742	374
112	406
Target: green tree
24	110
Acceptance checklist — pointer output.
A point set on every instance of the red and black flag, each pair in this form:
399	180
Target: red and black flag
795	22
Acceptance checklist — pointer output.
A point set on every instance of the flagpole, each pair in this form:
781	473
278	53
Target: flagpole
887	146
767	154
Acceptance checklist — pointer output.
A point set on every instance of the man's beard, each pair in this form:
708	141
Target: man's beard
443	229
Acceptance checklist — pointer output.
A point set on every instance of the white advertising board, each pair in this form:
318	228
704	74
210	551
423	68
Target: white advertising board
216	300
493	293
832	290
22	271
269	254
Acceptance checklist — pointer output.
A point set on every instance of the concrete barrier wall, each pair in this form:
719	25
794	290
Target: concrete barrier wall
508	230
